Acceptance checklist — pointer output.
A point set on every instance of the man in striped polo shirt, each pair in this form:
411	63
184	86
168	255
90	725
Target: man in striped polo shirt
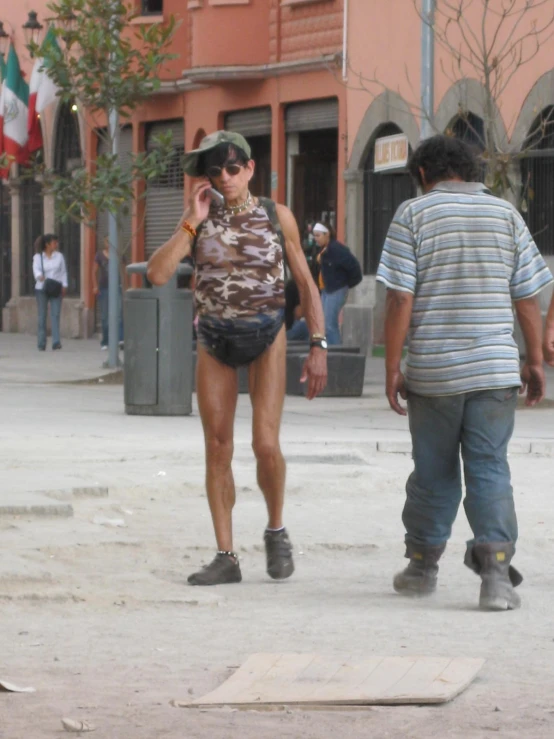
454	261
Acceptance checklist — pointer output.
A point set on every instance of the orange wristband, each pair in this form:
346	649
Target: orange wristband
190	230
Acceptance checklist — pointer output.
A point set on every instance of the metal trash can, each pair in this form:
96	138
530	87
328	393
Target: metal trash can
157	372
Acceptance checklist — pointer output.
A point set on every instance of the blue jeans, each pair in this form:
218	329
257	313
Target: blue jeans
480	425
298	331
333	303
103	299
42	311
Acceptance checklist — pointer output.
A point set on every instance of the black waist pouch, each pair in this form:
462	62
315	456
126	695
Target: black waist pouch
237	345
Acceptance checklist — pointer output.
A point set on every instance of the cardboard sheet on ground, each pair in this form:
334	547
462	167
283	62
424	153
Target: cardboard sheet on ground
316	680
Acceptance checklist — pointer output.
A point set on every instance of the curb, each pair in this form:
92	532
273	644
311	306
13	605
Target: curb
539	448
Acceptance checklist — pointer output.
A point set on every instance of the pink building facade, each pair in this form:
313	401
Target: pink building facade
286	73
384	44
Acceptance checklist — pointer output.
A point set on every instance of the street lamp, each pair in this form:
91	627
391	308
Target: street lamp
65	23
4	40
32	29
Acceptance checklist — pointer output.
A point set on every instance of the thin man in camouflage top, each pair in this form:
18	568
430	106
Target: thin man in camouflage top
239	264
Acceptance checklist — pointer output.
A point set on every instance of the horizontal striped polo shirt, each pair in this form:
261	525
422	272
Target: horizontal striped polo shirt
465	255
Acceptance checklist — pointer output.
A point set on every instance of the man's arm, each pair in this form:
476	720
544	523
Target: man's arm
398	313
165	260
532	374
548	345
315	369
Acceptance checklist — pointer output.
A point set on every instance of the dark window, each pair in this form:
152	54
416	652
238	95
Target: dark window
260	184
32	226
315	177
5	247
67	156
164	194
383	193
152	7
537	181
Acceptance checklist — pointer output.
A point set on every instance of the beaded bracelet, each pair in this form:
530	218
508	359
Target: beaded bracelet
190	230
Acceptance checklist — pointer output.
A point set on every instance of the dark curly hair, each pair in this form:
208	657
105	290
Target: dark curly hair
443	158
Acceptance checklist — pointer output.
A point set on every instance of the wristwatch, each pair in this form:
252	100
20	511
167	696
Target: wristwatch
321	343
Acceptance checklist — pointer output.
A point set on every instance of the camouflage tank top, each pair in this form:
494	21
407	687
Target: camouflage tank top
238	265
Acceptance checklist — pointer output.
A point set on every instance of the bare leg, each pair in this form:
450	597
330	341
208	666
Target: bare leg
217	389
267	379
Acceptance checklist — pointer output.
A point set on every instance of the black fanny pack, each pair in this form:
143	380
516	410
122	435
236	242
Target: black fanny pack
237	345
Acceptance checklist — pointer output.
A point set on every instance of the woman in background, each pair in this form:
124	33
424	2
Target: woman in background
50	275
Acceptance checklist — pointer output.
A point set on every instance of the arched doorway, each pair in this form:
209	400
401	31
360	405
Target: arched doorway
31	214
537	181
383	193
67	156
470	128
5	247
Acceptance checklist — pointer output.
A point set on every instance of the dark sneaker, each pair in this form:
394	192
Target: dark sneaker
222	570
55	347
278	550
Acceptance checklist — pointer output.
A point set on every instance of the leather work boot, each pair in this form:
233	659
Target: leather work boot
491	560
420	576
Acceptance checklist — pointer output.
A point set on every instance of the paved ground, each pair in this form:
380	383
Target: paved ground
98	616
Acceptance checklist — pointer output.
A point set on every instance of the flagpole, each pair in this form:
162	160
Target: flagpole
113	262
427	67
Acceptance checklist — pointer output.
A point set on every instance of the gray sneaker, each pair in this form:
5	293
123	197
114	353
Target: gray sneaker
278	550
222	569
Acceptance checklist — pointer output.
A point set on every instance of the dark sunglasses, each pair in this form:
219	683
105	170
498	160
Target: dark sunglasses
232	169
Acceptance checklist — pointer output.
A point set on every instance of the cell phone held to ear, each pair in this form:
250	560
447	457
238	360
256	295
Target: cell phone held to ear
216	196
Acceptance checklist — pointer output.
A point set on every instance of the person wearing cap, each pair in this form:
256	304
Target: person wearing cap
339	270
239	248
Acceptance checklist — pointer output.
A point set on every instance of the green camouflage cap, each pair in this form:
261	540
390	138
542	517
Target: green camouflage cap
190	160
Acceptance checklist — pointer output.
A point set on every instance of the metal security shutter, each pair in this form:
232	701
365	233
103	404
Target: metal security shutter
164	195
312	116
125	152
252	122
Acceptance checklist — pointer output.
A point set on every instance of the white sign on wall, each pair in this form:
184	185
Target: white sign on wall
391	152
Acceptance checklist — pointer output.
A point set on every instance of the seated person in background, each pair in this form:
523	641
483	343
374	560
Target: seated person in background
297	328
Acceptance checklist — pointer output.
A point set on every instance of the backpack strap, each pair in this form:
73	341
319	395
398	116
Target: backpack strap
271	209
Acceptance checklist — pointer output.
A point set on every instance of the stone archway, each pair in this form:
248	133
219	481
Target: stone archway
389	107
468	96
540	97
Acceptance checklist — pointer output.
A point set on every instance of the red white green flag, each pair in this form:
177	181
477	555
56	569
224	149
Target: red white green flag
13	113
2	77
42	92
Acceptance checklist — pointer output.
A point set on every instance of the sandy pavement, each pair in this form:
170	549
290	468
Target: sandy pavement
100	620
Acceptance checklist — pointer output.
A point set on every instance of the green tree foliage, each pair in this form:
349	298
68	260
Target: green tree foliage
102	62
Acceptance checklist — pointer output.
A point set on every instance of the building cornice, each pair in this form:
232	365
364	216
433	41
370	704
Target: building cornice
173	87
235	73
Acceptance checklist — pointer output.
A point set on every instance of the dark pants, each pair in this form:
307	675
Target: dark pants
42	311
480	425
103	299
